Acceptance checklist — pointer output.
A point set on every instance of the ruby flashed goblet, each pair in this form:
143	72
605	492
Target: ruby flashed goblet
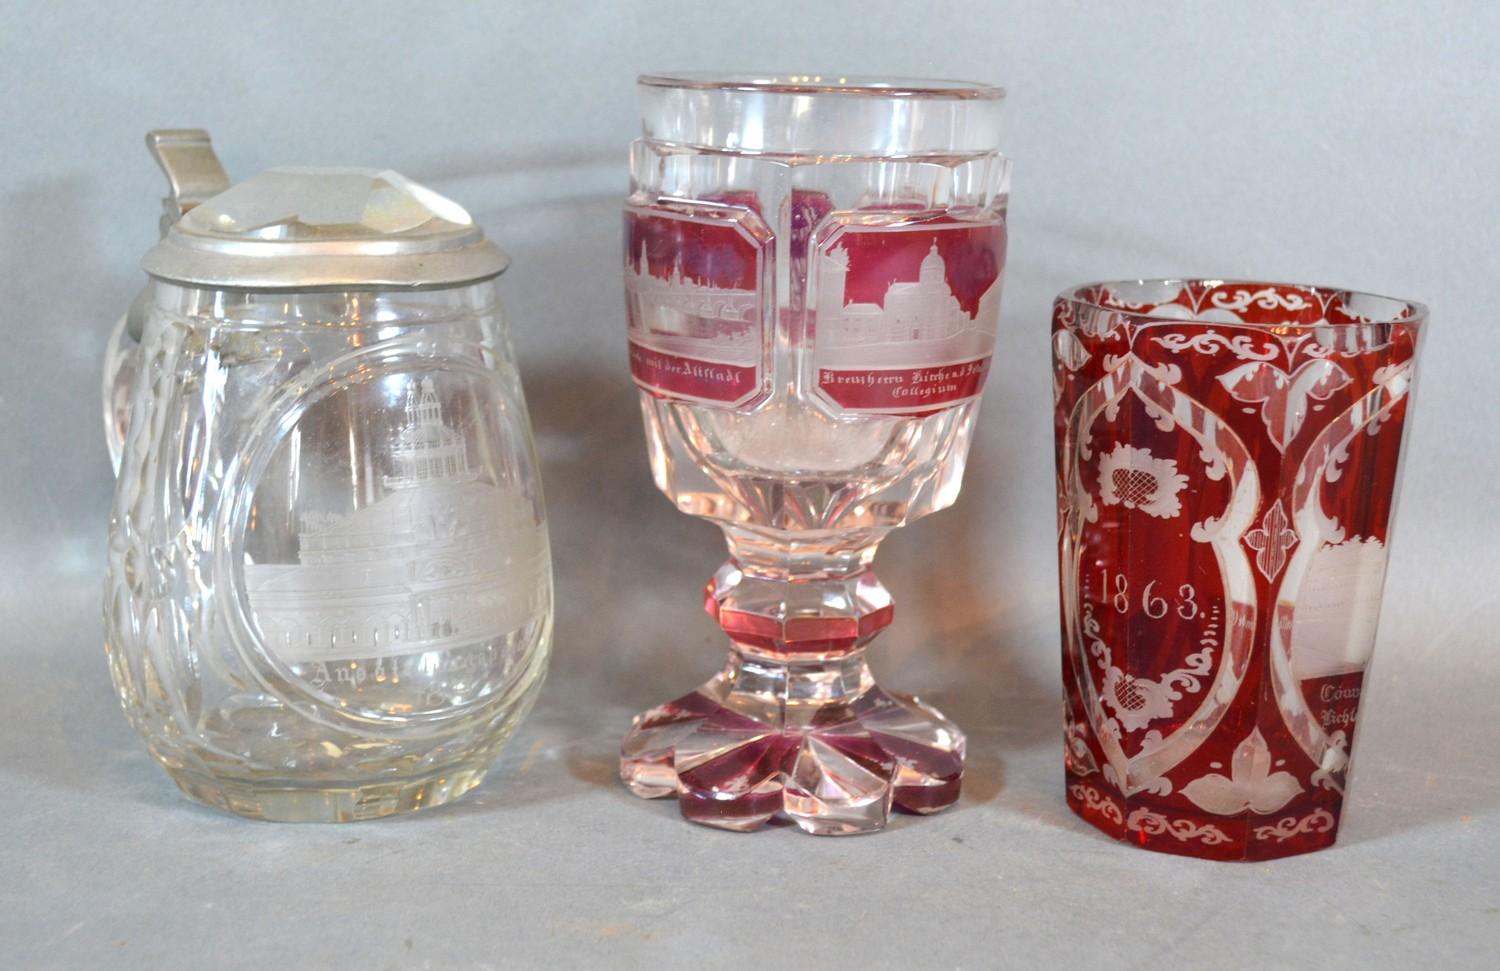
813	273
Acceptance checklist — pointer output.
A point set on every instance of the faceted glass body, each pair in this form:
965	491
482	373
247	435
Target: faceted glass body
329	591
813	274
1227	459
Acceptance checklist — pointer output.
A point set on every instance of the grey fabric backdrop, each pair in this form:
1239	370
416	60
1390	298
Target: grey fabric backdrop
1339	143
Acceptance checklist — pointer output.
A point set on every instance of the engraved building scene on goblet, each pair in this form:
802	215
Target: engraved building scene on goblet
921	317
693	298
905	315
810	333
687	315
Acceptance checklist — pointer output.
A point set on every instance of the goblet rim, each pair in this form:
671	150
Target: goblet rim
940	89
1407	312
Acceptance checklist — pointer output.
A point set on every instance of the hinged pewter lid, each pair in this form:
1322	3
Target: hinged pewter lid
309	228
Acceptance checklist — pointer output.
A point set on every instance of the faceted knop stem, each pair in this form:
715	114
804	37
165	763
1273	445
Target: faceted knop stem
787	619
795	725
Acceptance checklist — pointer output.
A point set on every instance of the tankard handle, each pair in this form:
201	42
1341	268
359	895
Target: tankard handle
194	175
120	366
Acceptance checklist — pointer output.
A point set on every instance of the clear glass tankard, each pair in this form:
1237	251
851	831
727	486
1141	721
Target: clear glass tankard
329	590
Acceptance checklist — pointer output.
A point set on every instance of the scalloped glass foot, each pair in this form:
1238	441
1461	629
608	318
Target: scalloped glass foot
761	741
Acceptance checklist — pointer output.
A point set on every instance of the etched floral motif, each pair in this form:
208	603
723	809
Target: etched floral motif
1136	479
1271	541
1251	783
1317	821
1284	397
1182	830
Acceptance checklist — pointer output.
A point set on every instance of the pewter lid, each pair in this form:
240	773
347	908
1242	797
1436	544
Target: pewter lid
309	228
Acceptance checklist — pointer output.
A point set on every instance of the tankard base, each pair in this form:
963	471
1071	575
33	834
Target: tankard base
1144	822
282	803
819	744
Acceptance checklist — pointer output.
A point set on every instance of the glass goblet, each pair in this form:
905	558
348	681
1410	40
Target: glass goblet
813	275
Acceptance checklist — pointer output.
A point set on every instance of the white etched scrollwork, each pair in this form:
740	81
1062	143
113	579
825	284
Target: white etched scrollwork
1095	802
1182	830
1115	300
1267	298
1317	821
1240	345
1137	702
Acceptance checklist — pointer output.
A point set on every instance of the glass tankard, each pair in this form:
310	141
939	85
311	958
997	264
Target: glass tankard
329	589
813	270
